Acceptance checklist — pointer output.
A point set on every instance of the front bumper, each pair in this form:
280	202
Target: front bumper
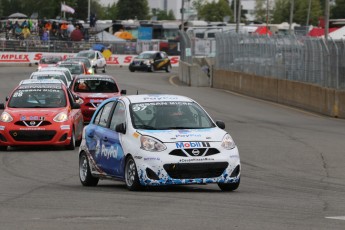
154	170
16	136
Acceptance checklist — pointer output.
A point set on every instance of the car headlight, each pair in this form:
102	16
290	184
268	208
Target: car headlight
6	117
61	117
151	144
228	142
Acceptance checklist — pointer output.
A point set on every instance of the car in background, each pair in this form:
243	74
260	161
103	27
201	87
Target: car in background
62	69
40	112
84	60
39	75
151	61
93	90
48	61
157	140
76	68
96	58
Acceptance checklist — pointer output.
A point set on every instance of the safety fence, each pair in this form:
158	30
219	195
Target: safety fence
297	58
305	59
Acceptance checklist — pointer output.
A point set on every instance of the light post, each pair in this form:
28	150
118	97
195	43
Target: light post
182	14
291	16
88	10
326	19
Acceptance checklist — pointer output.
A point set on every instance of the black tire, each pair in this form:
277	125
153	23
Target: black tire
72	143
85	176
131	69
95	70
103	71
3	148
131	175
229	187
168	68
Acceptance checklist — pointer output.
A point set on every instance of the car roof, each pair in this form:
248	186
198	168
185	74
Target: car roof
54	68
41	82
47	72
143	98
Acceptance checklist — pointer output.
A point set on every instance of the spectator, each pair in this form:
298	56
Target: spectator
45	36
25	32
24	23
93	20
76	34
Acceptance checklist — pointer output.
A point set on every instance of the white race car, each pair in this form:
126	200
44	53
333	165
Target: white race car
153	140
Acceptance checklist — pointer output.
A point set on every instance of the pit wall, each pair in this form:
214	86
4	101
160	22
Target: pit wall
309	97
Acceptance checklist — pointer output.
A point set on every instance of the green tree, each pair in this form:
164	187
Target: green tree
281	11
301	12
260	10
134	9
163	15
215	11
110	12
338	10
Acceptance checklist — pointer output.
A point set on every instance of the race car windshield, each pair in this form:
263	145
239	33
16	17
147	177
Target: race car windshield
74	69
146	56
90	55
95	85
169	115
38	98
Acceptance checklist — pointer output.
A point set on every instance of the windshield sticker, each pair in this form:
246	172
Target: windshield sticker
19	93
143	106
160	98
94	79
186	145
46	86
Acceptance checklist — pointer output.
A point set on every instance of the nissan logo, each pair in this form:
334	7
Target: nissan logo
32	123
195	152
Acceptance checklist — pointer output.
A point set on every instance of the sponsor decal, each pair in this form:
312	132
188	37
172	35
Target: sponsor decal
107	152
137	157
94	79
65	127
2	127
196	159
36	118
152	159
32	129
189	135
186	145
96	100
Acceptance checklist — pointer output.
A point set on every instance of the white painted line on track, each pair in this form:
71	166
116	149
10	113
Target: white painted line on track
335	217
171	80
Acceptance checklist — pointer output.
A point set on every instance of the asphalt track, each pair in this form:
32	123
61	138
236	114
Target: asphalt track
292	172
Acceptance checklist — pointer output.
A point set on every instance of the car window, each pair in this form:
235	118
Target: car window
169	115
103	116
95	85
119	115
51	76
38	98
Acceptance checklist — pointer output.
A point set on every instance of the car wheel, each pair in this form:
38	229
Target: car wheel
168	68
85	175
3	148
95	70
131	69
229	186
131	175
72	144
103	71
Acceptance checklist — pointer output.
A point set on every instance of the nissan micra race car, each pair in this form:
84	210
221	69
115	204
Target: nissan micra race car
155	140
40	112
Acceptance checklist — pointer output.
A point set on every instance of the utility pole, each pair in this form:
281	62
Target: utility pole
235	9
326	19
182	16
88	10
291	16
308	14
238	16
267	15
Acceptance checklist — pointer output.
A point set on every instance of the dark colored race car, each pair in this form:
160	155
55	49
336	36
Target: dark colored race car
151	61
91	90
40	112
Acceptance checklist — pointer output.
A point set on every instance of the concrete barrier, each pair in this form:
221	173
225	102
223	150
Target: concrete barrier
310	97
192	75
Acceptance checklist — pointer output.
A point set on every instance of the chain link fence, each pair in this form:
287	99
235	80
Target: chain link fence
305	59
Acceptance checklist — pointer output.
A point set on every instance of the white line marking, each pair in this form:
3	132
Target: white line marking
336	217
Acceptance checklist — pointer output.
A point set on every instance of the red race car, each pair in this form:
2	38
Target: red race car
41	112
91	90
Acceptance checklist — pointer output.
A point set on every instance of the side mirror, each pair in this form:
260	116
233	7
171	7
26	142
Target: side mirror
2	106
75	106
123	91
121	128
220	124
76	97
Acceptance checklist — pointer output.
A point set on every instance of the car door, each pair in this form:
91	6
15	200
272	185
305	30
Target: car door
100	59
114	142
97	137
76	115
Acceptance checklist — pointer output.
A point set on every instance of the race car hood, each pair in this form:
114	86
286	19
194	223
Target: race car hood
185	135
34	113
